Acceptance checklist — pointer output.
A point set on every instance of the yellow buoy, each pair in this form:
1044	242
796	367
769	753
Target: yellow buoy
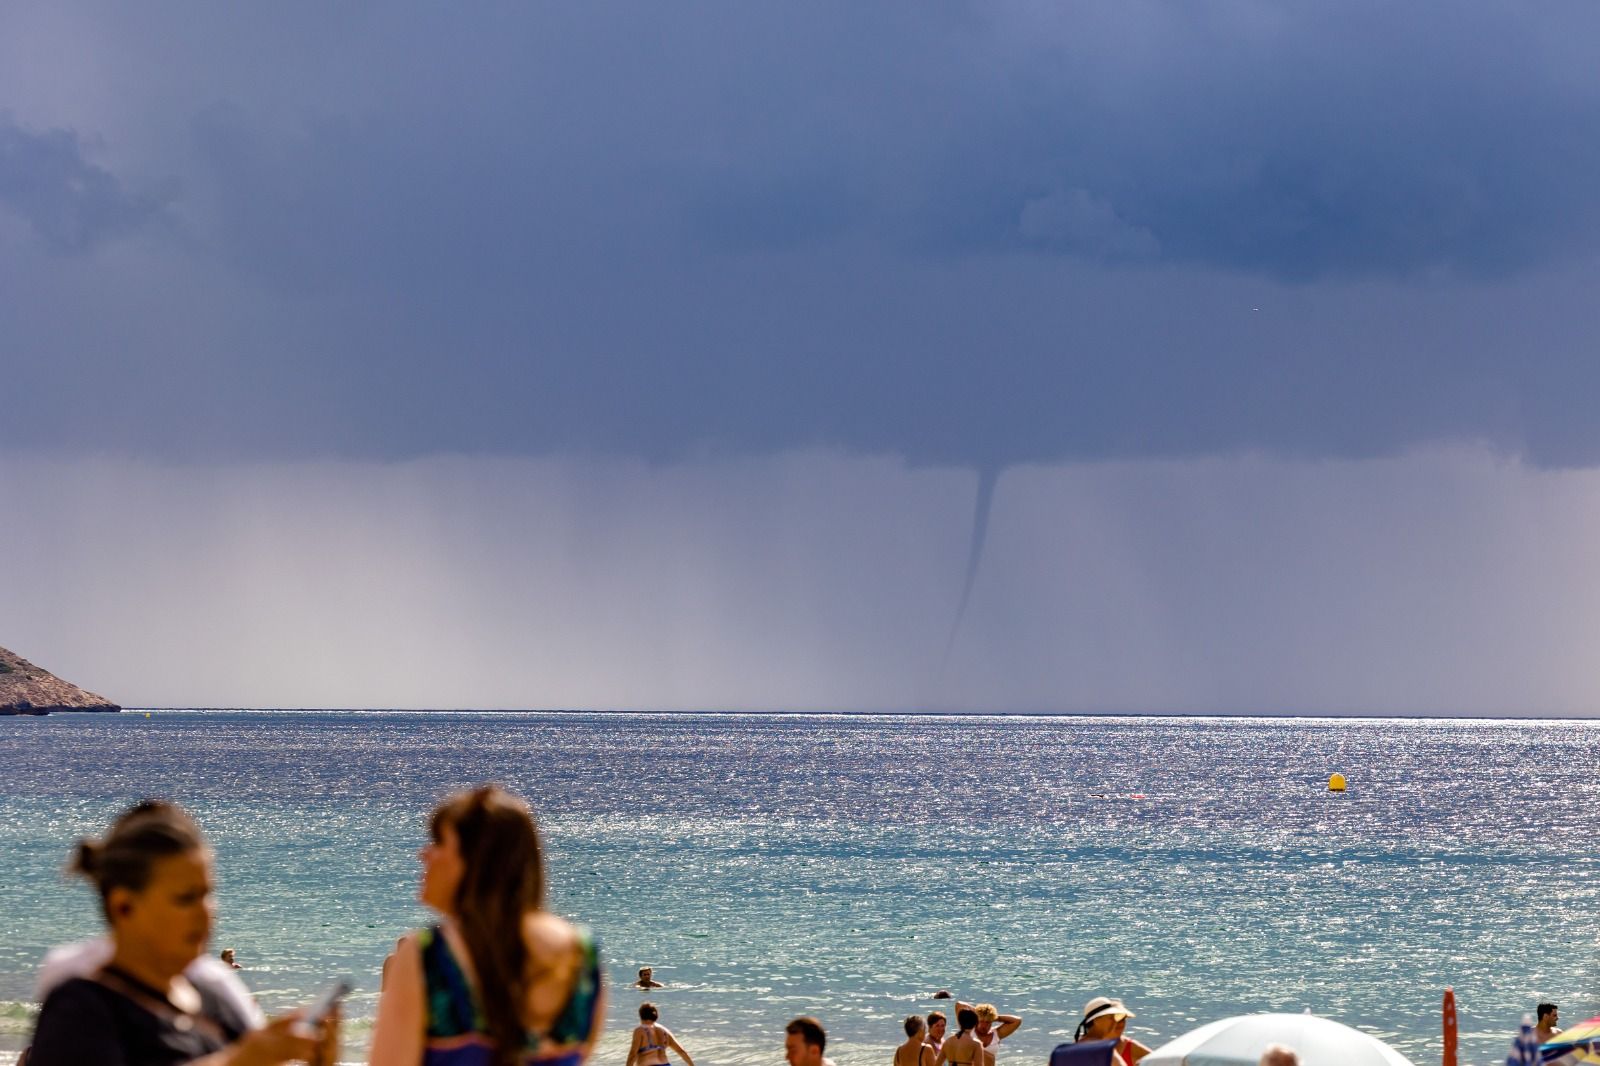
1336	783
147	714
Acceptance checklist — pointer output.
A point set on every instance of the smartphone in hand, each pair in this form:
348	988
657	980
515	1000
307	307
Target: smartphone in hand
323	1005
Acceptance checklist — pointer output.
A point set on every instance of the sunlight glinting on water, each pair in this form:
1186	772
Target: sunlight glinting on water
770	866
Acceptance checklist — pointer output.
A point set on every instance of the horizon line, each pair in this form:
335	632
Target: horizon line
923	713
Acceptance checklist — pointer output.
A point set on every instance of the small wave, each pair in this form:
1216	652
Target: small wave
16	1017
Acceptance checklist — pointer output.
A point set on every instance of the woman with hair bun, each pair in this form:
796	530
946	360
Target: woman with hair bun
148	1006
499	981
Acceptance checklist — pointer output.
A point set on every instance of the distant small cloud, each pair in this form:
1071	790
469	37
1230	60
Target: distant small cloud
71	203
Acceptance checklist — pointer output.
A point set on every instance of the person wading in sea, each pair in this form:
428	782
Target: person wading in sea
993	1027
916	1051
1105	1018
963	1049
804	1042
1549	1014
651	1041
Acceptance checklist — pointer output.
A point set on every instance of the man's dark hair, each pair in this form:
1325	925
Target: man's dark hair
810	1031
1546	1008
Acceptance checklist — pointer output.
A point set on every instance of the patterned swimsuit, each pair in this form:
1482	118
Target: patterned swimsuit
458	1033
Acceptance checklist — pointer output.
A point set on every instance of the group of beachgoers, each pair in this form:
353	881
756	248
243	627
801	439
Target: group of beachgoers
980	1029
497	981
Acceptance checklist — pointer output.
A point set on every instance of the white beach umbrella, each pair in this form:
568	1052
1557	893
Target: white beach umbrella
1240	1042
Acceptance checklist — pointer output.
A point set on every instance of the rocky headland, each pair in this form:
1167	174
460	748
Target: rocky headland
27	689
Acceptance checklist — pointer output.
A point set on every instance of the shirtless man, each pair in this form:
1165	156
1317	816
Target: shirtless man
804	1042
647	979
1547	1029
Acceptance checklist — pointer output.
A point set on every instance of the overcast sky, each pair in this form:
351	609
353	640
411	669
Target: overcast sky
671	354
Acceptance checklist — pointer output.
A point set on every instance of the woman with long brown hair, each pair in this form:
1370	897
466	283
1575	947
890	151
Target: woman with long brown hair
499	981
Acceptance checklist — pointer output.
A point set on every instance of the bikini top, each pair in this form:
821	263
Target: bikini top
964	1062
920	1049
458	1032
650	1034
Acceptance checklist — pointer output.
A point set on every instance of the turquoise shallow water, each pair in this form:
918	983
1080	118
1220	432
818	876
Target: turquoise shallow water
848	866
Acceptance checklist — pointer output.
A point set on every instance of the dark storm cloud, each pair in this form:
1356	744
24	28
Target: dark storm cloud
1301	142
69	202
972	235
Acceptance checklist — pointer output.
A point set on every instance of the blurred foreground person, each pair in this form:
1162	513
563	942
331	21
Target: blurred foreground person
499	981
148	1004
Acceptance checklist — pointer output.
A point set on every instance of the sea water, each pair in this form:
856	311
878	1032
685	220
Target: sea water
849	866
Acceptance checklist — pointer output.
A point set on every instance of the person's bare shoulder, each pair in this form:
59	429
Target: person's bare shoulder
553	943
550	932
